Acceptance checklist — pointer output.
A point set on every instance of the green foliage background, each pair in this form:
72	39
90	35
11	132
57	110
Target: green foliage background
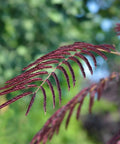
32	28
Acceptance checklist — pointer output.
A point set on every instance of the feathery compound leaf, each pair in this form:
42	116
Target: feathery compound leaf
32	77
54	122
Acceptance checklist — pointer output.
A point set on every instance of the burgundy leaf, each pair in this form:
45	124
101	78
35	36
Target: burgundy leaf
69	116
79	109
12	90
59	52
49	62
58	85
14	99
52	90
30	104
59	123
65	74
71	70
44	94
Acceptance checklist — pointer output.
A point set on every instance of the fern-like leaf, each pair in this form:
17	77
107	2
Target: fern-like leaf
37	73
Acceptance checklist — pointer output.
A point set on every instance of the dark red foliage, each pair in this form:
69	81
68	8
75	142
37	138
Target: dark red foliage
52	90
65	74
31	102
44	94
34	75
15	99
58	85
71	70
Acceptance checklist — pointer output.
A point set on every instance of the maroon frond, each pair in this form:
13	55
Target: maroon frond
65	74
92	94
12	90
91	55
71	71
69	116
80	65
44	94
58	85
15	99
52	90
85	60
30	104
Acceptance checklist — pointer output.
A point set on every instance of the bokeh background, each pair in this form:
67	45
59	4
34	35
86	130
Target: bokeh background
32	28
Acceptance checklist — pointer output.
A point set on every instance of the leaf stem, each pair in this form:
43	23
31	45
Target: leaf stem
112	52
